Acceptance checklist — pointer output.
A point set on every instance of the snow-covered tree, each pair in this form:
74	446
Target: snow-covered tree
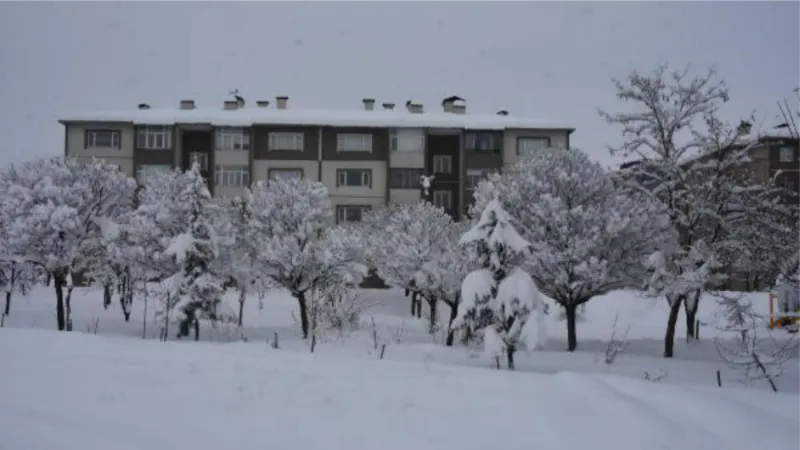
498	298
289	221
198	289
414	247
589	238
53	207
694	165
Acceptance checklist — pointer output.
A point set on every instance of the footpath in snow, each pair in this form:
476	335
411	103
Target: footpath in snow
71	391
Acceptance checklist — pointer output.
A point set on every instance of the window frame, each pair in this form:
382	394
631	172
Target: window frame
235	172
296	136
398	135
448	158
341	212
91	144
472	138
413	181
230	135
481	175
342	141
449	196
521	140
143	133
782	151
274	170
366	178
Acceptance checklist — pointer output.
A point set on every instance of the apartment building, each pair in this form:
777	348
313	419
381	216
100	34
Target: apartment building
367	156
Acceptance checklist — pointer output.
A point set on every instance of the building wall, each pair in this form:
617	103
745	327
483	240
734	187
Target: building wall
405	196
123	156
558	139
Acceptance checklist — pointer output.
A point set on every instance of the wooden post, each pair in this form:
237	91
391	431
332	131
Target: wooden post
771	311
719	379
697	329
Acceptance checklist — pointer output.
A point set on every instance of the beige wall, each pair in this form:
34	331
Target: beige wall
404	196
233	158
76	133
228	191
411	160
261	168
125	164
377	191
557	139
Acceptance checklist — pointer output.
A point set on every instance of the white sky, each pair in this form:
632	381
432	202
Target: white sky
551	60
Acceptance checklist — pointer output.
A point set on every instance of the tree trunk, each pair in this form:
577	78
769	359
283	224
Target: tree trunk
301	299
196	330
572	337
450	331
691	315
414	304
7	309
68	308
433	318
106	295
242	295
510	357
58	284
126	298
669	338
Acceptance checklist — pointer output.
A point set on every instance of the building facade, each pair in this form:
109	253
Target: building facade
366	157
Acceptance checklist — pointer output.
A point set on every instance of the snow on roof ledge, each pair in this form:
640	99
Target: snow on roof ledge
318	117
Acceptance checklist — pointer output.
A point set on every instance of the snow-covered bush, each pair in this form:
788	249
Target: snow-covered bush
498	298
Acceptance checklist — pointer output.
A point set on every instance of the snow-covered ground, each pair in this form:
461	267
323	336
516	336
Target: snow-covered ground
69	391
407	339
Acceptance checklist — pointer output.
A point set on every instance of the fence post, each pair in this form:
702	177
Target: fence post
719	379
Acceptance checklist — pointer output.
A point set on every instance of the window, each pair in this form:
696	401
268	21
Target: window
103	139
286	141
442	164
354	177
144	171
201	158
351	213
474	177
273	174
528	145
405	178
787	154
346	142
407	140
235	176
154	138
443	199
481	142
232	139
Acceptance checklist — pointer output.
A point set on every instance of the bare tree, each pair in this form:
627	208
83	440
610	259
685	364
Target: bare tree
757	358
695	166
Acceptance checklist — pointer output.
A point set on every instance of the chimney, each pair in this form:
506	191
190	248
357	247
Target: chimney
230	105
143	106
369	104
459	108
449	102
281	102
388	106
187	104
414	108
447	106
262	103
502	112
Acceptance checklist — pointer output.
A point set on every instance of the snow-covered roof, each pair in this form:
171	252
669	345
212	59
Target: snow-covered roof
248	116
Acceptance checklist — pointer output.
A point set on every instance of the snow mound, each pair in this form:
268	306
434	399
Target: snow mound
72	391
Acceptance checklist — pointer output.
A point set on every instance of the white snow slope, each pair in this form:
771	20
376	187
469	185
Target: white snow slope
75	391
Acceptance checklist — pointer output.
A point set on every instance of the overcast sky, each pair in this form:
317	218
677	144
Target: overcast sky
547	60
